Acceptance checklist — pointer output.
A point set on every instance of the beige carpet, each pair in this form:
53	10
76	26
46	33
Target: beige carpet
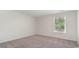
38	41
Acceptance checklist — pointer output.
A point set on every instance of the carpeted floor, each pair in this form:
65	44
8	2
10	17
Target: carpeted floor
38	41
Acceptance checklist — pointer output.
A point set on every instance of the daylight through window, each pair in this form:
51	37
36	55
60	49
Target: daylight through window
60	24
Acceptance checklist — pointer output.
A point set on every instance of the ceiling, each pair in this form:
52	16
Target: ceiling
36	13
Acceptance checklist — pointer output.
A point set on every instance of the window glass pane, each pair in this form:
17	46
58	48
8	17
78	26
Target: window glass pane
59	24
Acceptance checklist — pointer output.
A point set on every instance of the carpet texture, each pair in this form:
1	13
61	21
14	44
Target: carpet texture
38	41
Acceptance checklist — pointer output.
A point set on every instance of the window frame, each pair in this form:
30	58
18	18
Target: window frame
65	31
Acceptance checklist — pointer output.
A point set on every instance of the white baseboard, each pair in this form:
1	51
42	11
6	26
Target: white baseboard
29	36
55	37
15	38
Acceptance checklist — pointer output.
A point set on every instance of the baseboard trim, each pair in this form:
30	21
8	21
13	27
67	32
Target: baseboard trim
54	37
17	38
32	36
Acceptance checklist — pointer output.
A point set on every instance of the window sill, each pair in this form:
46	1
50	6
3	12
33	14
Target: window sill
60	31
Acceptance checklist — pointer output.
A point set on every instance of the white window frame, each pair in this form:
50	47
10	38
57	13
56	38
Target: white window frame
65	31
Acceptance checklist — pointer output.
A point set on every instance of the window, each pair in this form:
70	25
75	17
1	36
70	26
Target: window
60	24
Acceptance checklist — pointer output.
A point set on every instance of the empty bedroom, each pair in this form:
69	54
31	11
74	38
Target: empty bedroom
39	28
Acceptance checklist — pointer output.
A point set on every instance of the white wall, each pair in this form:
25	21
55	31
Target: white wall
45	25
14	25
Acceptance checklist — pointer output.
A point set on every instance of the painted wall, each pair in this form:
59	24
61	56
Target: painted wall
45	25
14	25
